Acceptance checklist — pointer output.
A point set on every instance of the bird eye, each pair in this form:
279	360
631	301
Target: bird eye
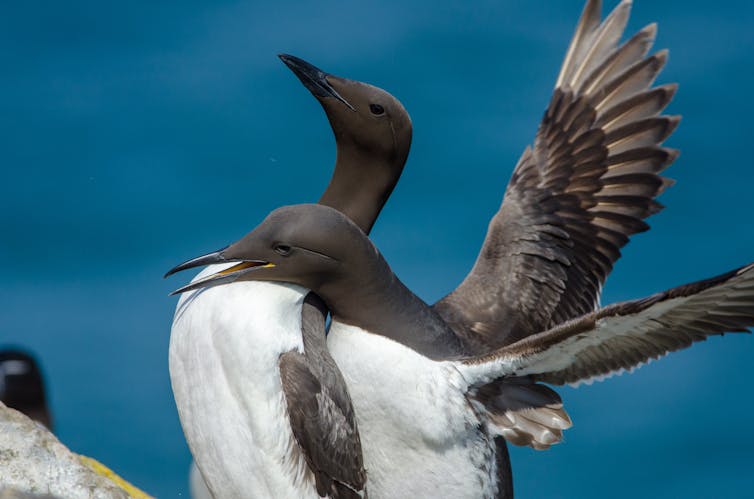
376	109
282	249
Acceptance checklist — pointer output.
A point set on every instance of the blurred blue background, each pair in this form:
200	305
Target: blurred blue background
138	134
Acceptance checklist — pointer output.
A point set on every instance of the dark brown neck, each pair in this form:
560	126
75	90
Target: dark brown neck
360	185
367	294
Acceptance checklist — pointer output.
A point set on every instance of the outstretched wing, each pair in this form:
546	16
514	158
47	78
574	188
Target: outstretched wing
320	411
576	196
626	335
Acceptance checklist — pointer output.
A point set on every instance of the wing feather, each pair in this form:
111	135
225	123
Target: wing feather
577	195
320	411
624	336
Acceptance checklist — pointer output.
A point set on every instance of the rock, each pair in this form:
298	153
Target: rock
34	464
17	494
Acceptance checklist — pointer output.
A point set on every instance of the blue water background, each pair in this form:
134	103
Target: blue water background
135	135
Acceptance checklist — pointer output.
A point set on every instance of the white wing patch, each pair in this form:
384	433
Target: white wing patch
625	336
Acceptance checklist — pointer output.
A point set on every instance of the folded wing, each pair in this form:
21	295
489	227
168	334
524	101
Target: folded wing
320	411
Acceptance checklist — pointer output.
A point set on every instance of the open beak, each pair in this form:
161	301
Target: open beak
313	78
224	276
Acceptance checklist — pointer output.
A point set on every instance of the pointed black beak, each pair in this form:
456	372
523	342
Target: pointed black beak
200	261
313	78
224	276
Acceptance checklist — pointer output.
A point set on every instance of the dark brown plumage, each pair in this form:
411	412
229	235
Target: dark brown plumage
577	195
319	407
320	410
329	254
625	335
371	151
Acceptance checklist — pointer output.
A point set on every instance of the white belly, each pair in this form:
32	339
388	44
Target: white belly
224	349
420	437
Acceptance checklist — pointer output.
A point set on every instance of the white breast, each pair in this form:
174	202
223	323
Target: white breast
420	437
224	349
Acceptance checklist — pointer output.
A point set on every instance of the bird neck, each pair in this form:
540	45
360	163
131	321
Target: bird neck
370	296
361	184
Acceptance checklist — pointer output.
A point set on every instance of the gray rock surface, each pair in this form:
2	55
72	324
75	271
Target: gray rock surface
33	464
17	494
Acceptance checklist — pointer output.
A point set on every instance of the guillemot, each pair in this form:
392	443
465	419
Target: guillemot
264	409
22	385
421	400
575	198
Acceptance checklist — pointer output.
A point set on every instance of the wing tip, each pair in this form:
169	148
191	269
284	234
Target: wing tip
661	56
672	155
650	30
588	21
591	13
673	120
623	5
669	89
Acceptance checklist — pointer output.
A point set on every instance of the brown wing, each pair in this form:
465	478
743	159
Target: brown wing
328	439
320	411
576	196
626	335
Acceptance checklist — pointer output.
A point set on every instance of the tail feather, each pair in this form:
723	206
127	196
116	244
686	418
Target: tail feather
523	412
